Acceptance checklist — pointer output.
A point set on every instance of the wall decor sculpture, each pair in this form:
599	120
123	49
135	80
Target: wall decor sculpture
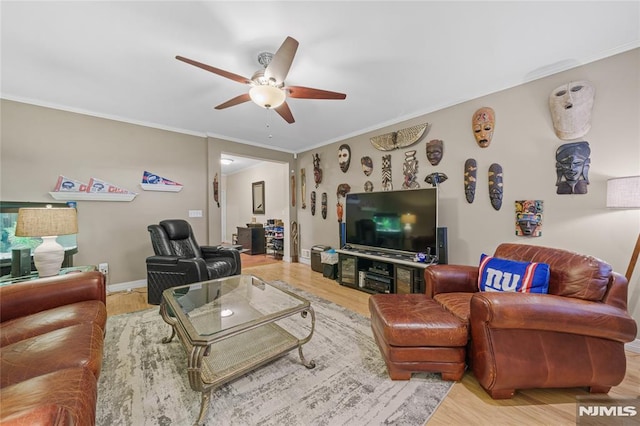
216	195
344	157
482	124
400	139
317	171
496	187
529	218
570	105
470	169
293	190
386	173
295	242
324	205
572	168
410	170
313	203
435	179
367	165
303	188
435	151
368	186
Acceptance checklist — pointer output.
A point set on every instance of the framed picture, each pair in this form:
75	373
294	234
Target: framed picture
257	192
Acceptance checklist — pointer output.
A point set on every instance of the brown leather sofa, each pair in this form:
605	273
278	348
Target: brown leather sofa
51	340
571	337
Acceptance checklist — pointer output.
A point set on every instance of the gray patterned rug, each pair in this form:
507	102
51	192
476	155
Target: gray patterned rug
144	382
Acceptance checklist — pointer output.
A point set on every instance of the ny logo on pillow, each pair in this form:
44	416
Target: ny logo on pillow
509	275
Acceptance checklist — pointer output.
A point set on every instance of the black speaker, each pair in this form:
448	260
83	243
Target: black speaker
20	262
443	257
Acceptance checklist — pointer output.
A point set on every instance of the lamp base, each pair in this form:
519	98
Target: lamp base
48	257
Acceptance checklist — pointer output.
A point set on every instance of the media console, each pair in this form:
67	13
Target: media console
380	272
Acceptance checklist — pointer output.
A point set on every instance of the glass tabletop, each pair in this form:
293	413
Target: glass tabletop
211	310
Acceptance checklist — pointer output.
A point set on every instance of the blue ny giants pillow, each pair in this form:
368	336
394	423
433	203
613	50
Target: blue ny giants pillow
509	275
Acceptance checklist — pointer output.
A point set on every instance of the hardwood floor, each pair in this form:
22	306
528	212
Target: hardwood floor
467	403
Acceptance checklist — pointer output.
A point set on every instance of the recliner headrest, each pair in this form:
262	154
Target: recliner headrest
176	229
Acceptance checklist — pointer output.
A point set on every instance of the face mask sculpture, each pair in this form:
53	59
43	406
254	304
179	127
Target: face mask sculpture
470	169
435	150
495	185
344	157
367	165
482	124
571	106
529	218
572	168
317	171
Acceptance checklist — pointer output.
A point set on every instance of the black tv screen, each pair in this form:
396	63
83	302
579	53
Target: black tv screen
405	220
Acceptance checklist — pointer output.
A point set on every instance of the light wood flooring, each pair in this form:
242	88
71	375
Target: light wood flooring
467	403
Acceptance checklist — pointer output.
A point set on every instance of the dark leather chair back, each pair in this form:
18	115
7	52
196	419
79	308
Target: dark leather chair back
174	237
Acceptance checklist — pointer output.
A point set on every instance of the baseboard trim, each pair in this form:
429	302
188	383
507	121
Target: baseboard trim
633	346
114	288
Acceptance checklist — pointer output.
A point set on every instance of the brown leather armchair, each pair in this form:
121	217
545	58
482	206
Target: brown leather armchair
571	337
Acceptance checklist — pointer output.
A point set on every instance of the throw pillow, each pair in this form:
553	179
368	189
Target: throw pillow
497	274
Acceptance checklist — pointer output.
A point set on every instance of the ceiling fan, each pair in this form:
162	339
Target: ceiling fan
267	85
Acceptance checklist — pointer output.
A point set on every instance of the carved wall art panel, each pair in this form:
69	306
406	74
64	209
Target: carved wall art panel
470	171
303	188
410	170
387	185
400	139
317	171
572	168
313	203
529	218
324	205
496	186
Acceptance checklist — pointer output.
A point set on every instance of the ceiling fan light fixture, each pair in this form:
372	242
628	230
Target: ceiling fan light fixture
267	96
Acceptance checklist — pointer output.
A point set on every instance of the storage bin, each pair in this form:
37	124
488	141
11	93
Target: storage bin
330	270
316	263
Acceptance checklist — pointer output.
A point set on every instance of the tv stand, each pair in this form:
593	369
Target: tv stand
375	271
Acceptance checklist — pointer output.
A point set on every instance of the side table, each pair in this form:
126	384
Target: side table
8	279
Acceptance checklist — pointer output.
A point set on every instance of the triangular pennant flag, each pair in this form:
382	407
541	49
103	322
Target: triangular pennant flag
153	179
66	184
100	187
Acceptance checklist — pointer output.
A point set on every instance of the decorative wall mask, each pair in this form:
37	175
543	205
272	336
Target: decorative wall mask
215	190
410	170
313	203
343	190
570	105
293	190
482	124
572	168
344	157
317	171
324	205
529	218
496	186
400	139
470	170
303	188
367	165
435	179
368	186
386	173
435	151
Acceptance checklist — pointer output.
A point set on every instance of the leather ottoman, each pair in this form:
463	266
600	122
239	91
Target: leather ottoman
415	334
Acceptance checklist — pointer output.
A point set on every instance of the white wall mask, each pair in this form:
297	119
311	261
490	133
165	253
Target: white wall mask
570	105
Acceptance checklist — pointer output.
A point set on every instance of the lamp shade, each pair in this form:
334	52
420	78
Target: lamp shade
267	96
41	222
624	192
408	218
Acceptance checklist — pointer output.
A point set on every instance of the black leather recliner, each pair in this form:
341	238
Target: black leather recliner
179	260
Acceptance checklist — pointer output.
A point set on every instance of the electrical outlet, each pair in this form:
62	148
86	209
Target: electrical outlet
104	268
306	253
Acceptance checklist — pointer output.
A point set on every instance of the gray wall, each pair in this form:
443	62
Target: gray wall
524	143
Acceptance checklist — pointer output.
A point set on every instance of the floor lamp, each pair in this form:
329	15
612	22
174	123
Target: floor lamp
624	193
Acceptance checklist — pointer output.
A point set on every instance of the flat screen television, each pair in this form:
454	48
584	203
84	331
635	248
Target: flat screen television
399	221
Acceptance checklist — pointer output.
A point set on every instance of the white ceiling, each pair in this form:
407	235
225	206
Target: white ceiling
394	60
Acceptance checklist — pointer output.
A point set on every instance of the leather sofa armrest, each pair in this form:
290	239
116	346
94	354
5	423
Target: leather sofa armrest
211	252
29	297
546	312
450	279
194	268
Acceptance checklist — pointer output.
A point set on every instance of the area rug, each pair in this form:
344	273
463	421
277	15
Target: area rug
144	382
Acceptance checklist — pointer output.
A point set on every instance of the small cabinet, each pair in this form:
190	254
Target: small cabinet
252	239
347	270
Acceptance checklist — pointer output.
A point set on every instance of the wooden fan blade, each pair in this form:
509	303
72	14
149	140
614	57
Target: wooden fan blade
285	113
279	66
235	101
309	93
223	73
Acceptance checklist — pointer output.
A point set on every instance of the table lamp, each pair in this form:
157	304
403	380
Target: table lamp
47	223
624	193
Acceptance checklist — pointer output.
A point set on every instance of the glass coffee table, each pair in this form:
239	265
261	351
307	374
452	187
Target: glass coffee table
233	325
